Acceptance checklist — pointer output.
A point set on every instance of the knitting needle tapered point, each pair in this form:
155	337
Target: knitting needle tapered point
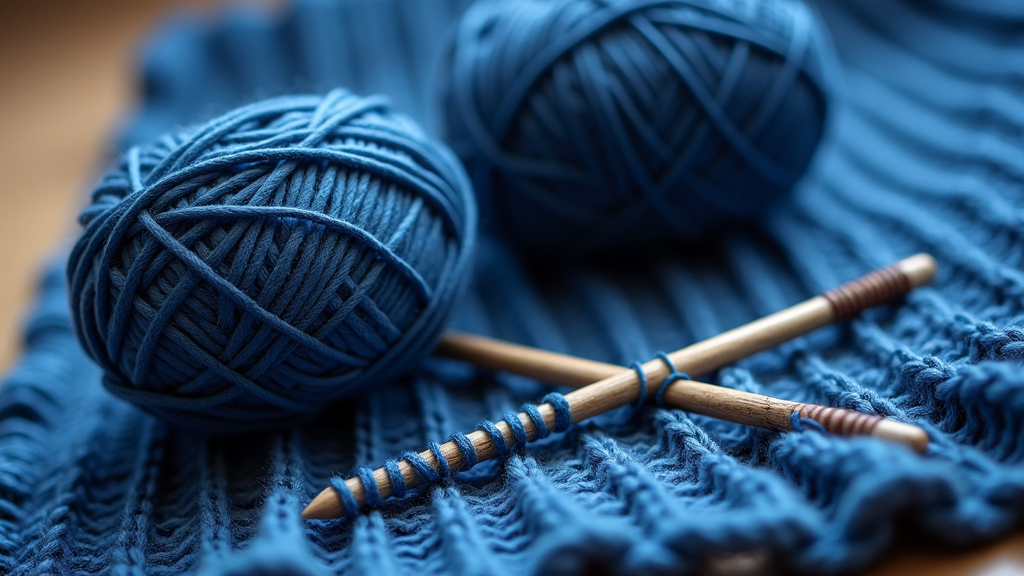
845	302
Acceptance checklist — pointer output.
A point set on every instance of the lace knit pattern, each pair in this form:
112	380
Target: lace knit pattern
924	154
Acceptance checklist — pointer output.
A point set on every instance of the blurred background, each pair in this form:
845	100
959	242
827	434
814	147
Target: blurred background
67	81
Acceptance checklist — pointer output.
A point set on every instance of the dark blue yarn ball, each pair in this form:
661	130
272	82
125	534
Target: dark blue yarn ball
589	124
287	254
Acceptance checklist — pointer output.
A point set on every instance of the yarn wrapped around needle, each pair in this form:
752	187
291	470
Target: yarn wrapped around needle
288	254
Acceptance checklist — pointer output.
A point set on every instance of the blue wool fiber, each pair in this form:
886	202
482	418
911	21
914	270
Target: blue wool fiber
673	376
587	124
659	397
428	475
290	253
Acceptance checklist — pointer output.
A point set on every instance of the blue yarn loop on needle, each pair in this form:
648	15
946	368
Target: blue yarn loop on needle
287	254
429	475
673	376
641	376
587	124
801	424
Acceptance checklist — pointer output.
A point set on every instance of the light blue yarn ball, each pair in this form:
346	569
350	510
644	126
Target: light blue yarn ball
288	254
595	124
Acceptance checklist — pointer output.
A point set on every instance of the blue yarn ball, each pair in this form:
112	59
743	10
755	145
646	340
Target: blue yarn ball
595	124
290	253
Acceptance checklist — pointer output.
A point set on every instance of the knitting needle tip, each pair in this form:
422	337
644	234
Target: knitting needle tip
919	269
323	507
906	434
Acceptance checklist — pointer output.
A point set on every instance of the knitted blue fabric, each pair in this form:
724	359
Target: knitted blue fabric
925	155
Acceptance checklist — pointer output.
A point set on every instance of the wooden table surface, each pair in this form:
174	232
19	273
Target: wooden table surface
66	78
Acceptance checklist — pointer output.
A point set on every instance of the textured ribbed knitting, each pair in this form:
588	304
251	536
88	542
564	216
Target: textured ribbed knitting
924	156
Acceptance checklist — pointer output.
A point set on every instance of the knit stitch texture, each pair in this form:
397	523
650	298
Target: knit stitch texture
924	155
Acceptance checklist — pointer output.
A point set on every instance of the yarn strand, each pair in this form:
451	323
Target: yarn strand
428	472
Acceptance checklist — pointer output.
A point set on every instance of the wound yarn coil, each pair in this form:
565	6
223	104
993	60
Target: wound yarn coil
287	254
589	124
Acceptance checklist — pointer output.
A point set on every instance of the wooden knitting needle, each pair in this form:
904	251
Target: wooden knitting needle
698	397
845	302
